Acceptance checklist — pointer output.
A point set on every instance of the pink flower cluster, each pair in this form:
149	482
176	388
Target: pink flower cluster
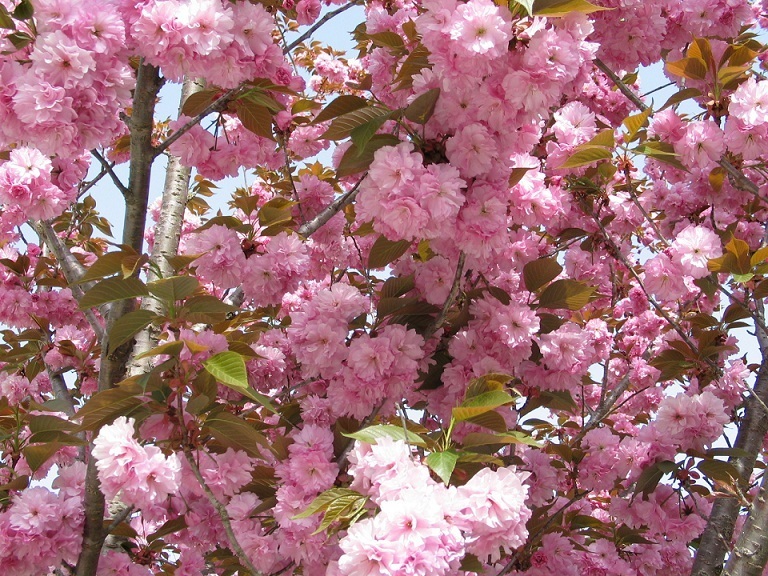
64	91
224	42
139	475
376	369
407	200
40	528
26	187
424	527
691	421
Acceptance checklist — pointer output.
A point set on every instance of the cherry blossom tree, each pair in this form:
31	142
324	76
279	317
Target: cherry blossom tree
459	300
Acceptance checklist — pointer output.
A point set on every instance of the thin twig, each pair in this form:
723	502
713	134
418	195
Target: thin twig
223	515
92	183
317	25
743	181
216	106
434	326
109	168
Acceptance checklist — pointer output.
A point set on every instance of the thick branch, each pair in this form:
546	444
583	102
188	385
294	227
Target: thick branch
750	553
720	526
113	365
167	233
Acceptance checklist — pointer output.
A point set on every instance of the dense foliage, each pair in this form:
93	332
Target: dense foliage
474	309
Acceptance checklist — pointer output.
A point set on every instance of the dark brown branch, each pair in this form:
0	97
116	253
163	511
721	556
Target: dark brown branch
113	363
316	26
716	537
110	170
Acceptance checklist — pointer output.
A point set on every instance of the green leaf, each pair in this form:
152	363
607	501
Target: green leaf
235	432
566	293
48	423
416	61
373	433
24	10
342	126
103	407
719	470
397	286
557	8
681	96
199	101
229	369
480	404
171	526
355	161
443	464
470	562
635	122
39	454
363	133
662	152
586	154
341	105
385	251
5	19
485	439
323	500
172	348
255	118
112	290
338	504
691	68
649	479
172	289
489	419
422	108
730	452
486	383
539	272
387	40
276	211
128	326
106	265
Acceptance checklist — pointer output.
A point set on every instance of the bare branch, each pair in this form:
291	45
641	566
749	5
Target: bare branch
317	25
331	210
109	169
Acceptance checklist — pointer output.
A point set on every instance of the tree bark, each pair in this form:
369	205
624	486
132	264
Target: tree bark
716	539
167	233
113	365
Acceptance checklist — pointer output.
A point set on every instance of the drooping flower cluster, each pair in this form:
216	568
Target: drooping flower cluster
423	527
139	475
